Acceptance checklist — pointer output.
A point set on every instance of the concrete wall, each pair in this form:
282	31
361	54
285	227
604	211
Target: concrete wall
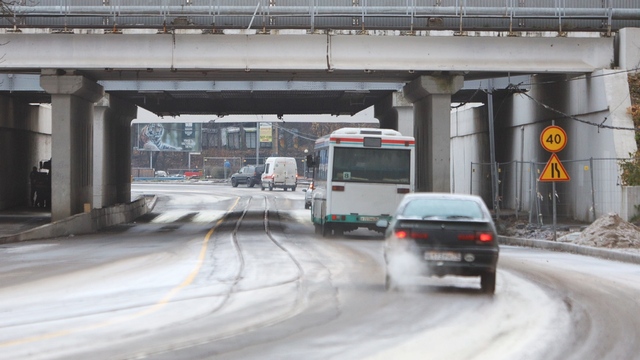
628	49
470	144
578	105
25	134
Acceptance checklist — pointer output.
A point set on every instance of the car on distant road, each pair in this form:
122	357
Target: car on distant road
438	234
280	172
249	175
193	174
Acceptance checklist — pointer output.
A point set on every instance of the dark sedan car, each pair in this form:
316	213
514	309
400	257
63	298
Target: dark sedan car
439	234
249	175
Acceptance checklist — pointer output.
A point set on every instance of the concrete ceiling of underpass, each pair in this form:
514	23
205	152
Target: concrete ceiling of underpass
261	92
173	93
171	103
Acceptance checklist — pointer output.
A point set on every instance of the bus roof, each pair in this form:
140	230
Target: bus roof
366	131
355	136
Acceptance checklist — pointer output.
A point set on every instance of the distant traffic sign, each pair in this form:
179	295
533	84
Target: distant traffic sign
553	138
554	171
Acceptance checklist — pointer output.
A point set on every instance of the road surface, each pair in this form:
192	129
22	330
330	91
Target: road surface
238	273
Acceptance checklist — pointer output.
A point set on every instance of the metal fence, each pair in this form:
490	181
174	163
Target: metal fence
594	189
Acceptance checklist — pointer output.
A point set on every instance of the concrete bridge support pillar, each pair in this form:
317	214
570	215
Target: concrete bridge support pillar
112	151
395	112
431	98
72	100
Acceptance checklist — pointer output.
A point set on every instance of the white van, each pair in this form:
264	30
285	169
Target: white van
280	172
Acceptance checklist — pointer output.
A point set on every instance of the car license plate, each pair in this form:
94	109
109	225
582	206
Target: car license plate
442	256
369	218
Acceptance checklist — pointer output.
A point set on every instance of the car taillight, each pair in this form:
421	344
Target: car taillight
485	237
404	234
478	236
403	191
415	235
337	188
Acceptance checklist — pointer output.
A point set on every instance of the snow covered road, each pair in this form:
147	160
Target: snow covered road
240	274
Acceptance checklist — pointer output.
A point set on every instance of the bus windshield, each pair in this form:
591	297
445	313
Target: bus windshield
372	165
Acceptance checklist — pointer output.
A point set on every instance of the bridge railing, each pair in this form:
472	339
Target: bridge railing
312	15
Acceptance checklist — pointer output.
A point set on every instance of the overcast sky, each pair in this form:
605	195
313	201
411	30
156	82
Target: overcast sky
365	116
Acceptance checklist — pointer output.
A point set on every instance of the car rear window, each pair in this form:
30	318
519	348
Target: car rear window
443	208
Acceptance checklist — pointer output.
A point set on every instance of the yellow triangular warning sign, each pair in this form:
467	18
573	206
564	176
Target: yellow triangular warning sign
554	171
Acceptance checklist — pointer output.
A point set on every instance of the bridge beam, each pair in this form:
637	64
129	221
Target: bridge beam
72	102
431	98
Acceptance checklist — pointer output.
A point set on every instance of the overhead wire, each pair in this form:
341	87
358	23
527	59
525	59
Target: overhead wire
600	125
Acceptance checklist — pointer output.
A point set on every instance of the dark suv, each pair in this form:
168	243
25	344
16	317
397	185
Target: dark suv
249	175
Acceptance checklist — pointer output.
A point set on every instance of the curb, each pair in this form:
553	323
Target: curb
571	248
86	223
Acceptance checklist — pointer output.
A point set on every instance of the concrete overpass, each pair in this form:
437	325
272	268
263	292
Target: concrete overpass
94	81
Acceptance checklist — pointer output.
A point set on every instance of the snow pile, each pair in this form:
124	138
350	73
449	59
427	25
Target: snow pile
610	231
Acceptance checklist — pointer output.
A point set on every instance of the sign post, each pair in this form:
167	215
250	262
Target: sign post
553	139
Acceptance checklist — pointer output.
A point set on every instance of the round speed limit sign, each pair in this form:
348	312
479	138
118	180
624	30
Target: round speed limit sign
553	138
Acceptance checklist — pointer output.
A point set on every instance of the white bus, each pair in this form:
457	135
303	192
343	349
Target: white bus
360	175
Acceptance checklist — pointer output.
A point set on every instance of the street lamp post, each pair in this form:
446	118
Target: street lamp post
305	162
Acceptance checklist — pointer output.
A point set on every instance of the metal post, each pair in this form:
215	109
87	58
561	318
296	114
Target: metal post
521	169
492	151
305	162
257	143
553	198
471	180
534	195
593	190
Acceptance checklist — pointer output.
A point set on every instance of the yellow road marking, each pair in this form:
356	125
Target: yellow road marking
155	307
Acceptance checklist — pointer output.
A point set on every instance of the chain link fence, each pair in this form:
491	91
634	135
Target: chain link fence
594	189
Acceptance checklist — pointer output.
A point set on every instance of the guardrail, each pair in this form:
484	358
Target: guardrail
409	15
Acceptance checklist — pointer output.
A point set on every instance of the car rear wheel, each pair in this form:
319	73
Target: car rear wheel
488	282
249	183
